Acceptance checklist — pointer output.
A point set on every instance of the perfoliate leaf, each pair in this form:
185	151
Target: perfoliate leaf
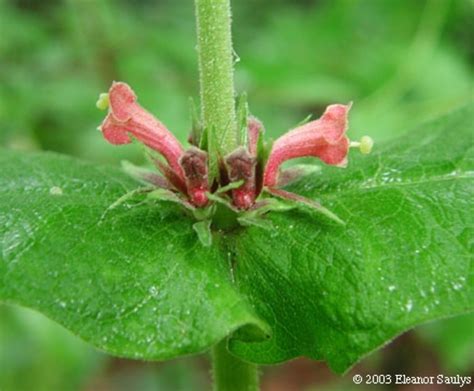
336	292
138	283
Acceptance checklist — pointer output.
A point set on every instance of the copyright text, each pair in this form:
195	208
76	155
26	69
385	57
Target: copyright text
458	380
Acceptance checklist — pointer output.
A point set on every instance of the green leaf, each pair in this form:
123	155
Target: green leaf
138	282
337	292
135	283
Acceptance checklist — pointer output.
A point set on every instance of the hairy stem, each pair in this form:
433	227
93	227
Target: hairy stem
216	72
216	77
230	373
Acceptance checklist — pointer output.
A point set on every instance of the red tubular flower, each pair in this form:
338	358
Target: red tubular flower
323	138
127	116
245	172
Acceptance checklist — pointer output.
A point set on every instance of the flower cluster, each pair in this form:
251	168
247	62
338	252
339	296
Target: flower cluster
244	174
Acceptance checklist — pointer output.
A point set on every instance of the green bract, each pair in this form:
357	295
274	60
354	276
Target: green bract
137	282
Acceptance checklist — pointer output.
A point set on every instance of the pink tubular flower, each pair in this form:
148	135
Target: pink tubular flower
243	179
323	138
127	116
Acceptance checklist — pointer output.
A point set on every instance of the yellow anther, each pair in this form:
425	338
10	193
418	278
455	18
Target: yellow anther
103	101
365	144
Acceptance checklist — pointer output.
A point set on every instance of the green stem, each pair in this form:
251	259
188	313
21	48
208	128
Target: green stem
216	71
230	373
216	78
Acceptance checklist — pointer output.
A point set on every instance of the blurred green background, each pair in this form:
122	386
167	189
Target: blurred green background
400	61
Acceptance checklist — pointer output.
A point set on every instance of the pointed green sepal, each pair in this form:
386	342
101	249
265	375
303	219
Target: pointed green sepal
305	120
230	186
255	221
242	118
305	204
169	196
144	175
196	124
203	230
222	201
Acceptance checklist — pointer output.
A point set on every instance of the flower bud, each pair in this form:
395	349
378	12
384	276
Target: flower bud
241	166
194	164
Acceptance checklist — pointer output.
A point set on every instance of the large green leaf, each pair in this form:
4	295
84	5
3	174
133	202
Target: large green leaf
134	282
338	292
137	282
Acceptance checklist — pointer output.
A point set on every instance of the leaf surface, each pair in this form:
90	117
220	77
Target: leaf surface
404	257
133	280
136	281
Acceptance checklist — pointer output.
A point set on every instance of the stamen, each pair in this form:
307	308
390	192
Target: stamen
103	101
365	144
